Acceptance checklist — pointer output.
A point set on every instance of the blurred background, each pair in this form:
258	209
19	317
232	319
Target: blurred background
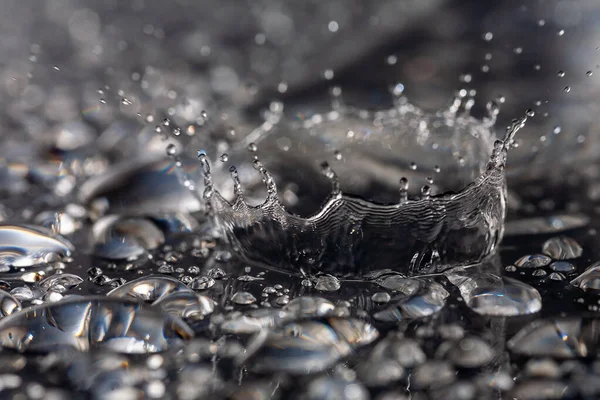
81	72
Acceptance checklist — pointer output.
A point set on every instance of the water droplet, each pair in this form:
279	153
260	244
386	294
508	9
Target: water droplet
305	306
419	298
381	297
567	89
533	261
224	157
311	346
561	32
562	248
589	279
89	323
60	282
147	186
433	374
488	294
562	266
171	150
149	288
567	337
186	305
8	304
243	298
470	352
202	283
327	283
589	73
125	238
561	74
25	246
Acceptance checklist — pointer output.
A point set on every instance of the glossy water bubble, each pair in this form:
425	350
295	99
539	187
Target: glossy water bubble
311	346
419	298
120	238
143	186
89	323
25	246
187	305
150	288
488	294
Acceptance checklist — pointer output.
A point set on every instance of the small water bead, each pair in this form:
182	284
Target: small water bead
488	36
149	289
61	282
186	305
556	276
470	352
243	298
89	323
425	192
589	279
224	157
171	149
533	261
562	248
433	374
8	304
22	293
381	297
589	73
202	283
311	346
419	298
539	272
306	306
562	266
567	89
252	147
560	32
327	283
561	74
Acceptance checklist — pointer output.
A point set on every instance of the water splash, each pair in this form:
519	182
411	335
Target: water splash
349	236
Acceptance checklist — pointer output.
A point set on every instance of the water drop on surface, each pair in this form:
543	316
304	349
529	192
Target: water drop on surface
562	248
89	323
533	261
243	298
149	289
488	294
25	246
171	150
327	283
